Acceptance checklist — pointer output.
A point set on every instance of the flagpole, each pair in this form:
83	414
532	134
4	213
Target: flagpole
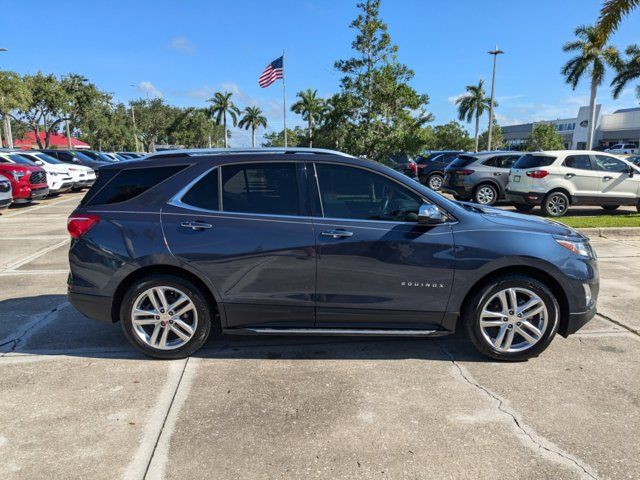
284	100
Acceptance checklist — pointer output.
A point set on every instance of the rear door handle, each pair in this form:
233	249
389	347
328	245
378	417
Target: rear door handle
338	233
197	225
497	174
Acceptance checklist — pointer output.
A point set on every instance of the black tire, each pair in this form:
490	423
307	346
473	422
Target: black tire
555	204
610	208
471	316
523	207
205	315
435	181
486	194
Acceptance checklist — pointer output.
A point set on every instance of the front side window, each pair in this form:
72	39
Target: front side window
610	164
355	193
265	188
582	162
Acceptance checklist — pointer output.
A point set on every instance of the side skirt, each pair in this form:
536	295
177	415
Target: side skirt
360	332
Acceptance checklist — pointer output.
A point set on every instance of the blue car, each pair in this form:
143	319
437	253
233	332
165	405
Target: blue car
189	244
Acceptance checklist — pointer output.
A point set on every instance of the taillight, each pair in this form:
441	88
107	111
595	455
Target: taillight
464	172
413	167
78	224
537	173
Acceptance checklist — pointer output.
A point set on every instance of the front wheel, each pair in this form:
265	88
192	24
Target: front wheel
555	204
434	182
512	318
166	316
610	208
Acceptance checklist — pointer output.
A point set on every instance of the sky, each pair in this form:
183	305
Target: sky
184	51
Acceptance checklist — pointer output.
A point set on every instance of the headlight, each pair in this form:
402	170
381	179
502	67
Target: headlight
578	247
17	174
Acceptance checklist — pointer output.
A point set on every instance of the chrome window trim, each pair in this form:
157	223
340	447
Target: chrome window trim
176	200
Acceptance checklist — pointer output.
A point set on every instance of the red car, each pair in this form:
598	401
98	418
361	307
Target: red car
27	182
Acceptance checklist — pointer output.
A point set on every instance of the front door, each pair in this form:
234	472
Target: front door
377	268
243	226
615	183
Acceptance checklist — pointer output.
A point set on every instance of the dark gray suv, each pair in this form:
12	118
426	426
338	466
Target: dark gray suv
312	242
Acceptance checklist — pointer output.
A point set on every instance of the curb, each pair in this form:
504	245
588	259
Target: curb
610	232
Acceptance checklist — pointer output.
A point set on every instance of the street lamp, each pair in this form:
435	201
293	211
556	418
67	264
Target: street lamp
495	54
7	122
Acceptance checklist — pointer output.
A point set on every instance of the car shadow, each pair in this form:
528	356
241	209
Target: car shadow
59	329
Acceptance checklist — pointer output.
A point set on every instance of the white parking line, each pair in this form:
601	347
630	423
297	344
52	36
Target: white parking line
38	207
23	261
13	273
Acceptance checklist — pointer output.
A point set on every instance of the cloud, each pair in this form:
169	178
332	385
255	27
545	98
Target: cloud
202	93
182	44
453	99
509	98
149	89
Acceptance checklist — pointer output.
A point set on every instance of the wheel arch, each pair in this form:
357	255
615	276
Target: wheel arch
149	271
491	182
563	190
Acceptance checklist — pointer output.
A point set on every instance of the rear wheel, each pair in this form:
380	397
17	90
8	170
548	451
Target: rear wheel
486	194
610	208
555	204
512	318
523	207
434	181
166	316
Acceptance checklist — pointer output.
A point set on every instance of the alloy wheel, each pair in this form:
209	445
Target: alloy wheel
557	205
164	318
486	195
513	320
435	182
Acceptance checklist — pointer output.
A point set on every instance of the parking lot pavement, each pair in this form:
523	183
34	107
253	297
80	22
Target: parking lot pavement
78	402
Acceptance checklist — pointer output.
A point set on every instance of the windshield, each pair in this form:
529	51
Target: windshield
21	160
105	158
83	157
47	158
534	161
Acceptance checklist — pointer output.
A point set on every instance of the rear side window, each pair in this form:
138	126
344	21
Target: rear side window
204	194
463	161
266	188
128	184
534	161
583	162
506	161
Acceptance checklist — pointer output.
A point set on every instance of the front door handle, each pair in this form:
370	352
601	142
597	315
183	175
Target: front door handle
607	178
569	175
197	225
338	233
497	174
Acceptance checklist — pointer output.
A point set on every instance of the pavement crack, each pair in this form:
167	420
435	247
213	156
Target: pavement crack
535	441
36	322
620	324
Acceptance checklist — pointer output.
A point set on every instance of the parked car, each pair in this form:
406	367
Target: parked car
558	179
98	156
622	148
6	195
28	182
481	177
635	159
132	155
59	179
402	163
81	176
313	242
75	157
431	167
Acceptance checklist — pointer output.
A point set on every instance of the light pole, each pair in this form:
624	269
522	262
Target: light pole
6	124
495	54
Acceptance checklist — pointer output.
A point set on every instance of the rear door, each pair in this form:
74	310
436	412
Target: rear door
376	267
578	170
245	227
614	181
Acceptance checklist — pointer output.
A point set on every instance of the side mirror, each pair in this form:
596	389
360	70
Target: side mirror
631	171
39	162
430	215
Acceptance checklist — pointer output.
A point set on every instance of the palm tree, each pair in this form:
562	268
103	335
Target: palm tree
611	15
311	108
472	105
592	58
627	71
221	105
253	119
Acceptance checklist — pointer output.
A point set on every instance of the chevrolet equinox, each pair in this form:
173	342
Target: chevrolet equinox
186	244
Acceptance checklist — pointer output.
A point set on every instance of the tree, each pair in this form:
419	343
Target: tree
13	96
450	136
627	70
385	113
311	108
544	136
153	118
497	138
612	13
253	119
472	105
295	138
193	128
221	105
592	58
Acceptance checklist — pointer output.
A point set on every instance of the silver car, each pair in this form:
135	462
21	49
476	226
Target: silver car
481	177
6	195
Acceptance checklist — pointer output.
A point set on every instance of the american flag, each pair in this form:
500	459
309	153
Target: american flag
273	72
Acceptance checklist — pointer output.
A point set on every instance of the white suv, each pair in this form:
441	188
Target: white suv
623	148
557	179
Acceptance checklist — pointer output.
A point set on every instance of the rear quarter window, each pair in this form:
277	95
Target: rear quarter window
534	161
127	184
462	161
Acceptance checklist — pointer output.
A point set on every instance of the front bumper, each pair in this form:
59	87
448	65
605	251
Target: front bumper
525	198
5	202
33	194
576	321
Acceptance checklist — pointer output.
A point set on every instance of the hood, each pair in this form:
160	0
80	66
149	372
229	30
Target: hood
20	167
55	168
524	222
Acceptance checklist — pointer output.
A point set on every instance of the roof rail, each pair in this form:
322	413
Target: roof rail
266	150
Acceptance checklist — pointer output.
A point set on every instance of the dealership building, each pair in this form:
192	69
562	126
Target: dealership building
621	126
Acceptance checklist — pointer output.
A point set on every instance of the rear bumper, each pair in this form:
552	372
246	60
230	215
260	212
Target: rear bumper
459	190
92	306
526	198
